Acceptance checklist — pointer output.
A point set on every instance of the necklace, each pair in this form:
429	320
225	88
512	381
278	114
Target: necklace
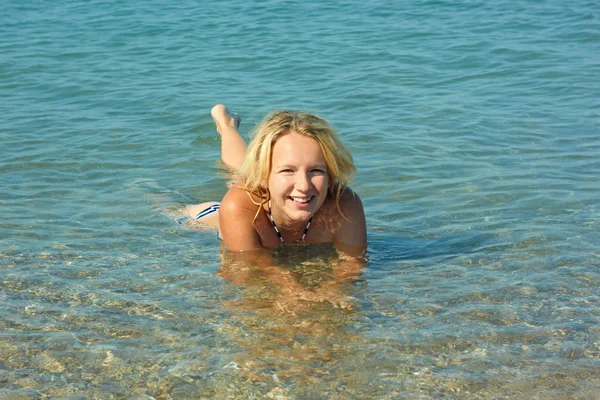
279	233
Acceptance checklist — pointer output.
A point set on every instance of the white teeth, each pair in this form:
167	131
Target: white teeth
301	200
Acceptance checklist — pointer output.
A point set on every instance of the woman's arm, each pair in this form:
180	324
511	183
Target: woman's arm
236	221
235	268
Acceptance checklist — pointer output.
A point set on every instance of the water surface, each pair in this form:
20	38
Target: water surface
474	127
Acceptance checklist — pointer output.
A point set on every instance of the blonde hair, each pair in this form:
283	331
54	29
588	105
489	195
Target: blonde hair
256	166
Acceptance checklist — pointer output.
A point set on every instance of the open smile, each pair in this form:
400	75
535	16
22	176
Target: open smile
301	201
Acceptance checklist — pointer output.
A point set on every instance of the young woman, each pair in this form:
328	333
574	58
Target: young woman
292	187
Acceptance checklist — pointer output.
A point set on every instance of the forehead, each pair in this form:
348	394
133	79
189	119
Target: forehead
294	148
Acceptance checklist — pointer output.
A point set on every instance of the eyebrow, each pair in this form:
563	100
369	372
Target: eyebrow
324	166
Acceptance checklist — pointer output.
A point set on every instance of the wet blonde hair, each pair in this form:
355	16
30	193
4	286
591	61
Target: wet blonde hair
256	167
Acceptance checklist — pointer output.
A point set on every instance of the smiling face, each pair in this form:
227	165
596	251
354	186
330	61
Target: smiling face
298	179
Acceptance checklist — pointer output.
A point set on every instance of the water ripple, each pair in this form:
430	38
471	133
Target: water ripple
474	126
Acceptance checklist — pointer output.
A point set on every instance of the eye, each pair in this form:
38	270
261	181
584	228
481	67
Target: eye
286	171
319	170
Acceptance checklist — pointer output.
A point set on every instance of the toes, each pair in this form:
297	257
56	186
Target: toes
237	120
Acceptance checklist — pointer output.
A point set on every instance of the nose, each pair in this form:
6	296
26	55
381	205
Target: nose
303	182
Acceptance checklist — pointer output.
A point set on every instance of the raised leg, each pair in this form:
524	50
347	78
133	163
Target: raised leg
233	147
233	150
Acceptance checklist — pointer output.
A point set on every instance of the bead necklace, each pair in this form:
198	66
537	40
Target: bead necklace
279	233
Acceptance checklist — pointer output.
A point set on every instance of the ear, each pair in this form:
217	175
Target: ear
264	189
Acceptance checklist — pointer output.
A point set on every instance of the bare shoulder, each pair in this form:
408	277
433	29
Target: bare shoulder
350	203
353	229
237	198
236	220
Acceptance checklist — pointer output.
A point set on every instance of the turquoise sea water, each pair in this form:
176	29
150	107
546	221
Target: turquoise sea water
475	129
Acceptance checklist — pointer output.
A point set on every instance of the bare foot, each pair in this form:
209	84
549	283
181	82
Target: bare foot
223	118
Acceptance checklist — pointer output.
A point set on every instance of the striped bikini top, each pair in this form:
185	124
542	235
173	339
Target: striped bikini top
279	233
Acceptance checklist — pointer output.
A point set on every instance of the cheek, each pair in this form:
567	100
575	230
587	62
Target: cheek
321	182
278	183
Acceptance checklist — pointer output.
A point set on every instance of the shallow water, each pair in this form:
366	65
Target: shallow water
474	127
